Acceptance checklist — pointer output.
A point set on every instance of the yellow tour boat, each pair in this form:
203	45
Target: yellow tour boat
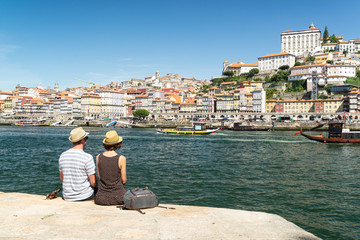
197	129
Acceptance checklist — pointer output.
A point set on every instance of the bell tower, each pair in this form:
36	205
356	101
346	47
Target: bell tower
56	87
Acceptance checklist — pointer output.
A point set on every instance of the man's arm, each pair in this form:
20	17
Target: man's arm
61	176
93	180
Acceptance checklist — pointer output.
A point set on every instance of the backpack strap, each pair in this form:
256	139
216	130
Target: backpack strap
165	207
136	209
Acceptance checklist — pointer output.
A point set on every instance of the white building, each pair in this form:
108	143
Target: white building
239	67
348	46
76	106
110	103
4	95
259	101
274	61
301	43
305	71
341	70
327	74
328	47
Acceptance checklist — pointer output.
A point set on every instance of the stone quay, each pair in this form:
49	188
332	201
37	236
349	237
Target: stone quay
27	216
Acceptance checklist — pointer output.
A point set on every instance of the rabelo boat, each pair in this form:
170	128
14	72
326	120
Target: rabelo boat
337	133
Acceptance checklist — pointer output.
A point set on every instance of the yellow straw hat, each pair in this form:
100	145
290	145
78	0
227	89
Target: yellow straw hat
112	138
77	134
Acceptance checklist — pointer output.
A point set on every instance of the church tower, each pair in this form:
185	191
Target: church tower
157	76
56	87
225	65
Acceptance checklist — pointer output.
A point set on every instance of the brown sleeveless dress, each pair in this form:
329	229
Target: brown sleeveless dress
111	190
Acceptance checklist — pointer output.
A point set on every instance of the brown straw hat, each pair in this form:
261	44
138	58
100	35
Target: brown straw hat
77	134
112	138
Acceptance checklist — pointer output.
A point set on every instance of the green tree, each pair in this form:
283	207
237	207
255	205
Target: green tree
280	76
345	52
205	88
297	64
328	87
228	73
353	81
141	113
334	39
322	96
310	59
284	67
325	35
270	92
358	74
254	71
330	61
296	86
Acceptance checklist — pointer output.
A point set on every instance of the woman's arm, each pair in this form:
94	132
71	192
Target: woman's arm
122	166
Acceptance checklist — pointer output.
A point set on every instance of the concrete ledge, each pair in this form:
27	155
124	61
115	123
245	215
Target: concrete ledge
26	216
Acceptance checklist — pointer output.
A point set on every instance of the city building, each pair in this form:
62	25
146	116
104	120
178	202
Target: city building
188	107
4	95
272	62
301	43
305	106
259	100
91	105
111	103
225	103
239	67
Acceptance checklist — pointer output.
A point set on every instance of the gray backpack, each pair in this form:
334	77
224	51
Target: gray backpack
140	198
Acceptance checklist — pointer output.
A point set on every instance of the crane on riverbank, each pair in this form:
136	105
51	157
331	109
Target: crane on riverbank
89	82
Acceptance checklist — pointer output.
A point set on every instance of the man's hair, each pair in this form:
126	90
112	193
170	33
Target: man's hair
112	147
79	142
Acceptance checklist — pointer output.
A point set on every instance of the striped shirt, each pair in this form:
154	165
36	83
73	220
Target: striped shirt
76	166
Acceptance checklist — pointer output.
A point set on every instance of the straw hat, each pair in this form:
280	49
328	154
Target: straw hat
77	134
112	138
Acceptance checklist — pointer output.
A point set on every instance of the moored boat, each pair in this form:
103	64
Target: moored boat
196	129
238	126
29	123
337	133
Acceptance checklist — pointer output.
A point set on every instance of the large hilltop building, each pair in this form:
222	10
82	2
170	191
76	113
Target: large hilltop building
301	43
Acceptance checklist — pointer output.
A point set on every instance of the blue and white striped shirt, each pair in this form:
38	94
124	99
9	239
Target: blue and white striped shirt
76	166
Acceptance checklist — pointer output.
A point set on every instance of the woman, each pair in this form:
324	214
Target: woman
111	171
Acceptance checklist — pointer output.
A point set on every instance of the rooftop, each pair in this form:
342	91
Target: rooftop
276	54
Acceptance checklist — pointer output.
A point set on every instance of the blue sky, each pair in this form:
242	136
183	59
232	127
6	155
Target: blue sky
103	41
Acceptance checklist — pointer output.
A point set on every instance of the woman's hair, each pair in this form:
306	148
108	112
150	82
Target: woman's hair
112	147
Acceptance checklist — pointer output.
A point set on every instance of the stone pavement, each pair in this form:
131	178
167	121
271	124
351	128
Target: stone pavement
26	216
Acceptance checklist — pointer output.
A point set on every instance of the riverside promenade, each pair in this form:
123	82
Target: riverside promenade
26	216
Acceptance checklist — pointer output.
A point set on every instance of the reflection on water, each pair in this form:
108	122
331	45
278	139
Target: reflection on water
314	185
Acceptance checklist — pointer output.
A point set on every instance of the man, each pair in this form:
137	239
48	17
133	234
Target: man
77	169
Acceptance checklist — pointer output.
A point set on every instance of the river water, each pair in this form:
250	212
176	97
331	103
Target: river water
314	185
